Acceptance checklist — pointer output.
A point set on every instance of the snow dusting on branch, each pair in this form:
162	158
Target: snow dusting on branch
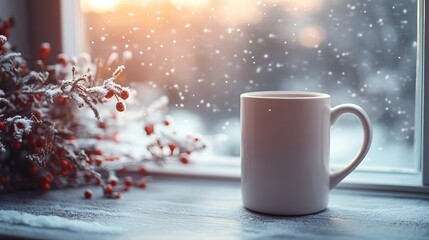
47	142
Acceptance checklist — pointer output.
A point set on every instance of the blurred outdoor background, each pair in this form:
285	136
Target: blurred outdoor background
203	54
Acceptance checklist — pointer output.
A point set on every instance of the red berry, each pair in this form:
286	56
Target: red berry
2	125
124	94
45	47
166	122
44	51
128	181
149	129
16	145
108	189
113	180
97	181
143	171
37	114
46	186
98	152
34	170
62	59
3	40
64	163
71	137
111	158
38	97
71	167
142	183
98	161
102	125
109	94
47	178
172	147
116	195
184	160
120	106
88	176
60	100
20	125
87	194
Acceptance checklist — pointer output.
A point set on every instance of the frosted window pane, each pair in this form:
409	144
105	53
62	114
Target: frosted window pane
203	54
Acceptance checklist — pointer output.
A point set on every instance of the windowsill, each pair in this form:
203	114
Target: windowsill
172	208
228	168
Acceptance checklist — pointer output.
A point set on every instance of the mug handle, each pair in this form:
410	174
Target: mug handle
336	112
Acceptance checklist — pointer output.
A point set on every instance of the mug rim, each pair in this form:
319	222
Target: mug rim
285	95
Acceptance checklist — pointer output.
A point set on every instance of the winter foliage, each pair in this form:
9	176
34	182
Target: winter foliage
45	143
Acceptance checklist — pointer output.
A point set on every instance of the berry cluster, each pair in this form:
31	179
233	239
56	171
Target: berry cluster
38	125
113	187
124	94
170	147
44	141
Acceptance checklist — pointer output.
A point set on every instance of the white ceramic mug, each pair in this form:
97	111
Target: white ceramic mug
285	150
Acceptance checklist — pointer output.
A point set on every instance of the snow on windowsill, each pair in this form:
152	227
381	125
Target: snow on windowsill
22	219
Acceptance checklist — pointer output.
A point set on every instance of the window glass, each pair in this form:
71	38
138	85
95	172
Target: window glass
204	53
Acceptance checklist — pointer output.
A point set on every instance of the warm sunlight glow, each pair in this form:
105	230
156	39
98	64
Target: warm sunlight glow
234	12
301	7
98	6
193	4
311	36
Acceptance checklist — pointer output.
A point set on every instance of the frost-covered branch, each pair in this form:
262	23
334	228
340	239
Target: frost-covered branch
45	143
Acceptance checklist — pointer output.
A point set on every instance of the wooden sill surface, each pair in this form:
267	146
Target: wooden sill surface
180	208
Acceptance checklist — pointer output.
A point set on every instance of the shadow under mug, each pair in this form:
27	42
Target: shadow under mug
285	150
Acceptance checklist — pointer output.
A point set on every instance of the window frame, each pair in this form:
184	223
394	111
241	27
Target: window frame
71	27
423	88
403	182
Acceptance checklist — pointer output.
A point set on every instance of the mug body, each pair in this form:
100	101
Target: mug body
285	152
